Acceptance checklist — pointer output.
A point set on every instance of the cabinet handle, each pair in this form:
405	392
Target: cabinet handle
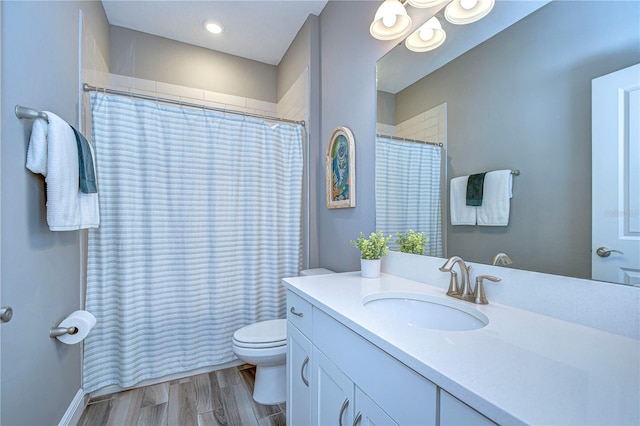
293	311
356	421
345	404
304	364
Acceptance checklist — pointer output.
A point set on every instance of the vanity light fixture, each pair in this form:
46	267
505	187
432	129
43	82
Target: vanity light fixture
428	37
462	12
213	27
391	21
425	3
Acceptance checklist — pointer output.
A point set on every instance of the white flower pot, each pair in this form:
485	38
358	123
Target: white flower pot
370	268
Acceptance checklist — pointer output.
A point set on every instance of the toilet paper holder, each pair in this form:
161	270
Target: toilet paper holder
61	331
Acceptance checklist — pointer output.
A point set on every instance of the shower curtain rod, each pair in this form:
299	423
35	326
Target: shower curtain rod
88	88
396	138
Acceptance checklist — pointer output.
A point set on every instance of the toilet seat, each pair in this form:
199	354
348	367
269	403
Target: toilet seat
263	334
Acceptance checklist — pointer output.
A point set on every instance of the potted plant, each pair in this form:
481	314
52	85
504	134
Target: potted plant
372	249
411	242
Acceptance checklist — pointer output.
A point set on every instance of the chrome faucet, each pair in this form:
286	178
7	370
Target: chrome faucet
478	292
501	258
463	290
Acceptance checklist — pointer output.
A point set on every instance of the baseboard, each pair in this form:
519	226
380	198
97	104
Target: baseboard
75	409
115	388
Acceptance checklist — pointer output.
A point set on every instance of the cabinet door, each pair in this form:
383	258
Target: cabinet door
454	412
298	376
332	393
368	413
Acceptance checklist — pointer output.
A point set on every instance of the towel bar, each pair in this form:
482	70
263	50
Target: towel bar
29	113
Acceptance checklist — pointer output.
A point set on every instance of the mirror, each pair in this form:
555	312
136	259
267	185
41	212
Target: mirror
518	96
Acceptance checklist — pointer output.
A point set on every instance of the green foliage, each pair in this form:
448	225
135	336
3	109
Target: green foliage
374	247
411	242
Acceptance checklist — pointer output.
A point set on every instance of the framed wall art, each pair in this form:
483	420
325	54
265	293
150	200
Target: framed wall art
340	164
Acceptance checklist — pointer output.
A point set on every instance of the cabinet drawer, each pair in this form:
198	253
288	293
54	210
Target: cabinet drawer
299	313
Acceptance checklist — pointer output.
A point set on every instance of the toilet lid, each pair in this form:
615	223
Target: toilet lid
264	334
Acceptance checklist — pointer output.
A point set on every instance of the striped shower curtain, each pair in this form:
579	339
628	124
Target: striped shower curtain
408	190
201	219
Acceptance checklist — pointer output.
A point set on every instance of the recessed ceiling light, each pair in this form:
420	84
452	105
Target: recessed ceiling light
213	27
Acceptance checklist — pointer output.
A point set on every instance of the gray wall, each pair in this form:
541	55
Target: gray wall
40	268
348	97
297	56
386	104
523	100
150	57
304	52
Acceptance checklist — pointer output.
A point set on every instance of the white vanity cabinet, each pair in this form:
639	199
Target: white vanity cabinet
298	376
349	378
454	412
299	315
368	413
395	373
332	393
337	400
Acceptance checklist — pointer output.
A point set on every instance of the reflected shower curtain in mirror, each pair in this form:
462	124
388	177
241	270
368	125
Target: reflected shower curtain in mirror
408	190
201	219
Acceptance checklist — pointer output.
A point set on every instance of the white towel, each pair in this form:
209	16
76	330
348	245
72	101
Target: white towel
496	200
460	213
37	151
53	152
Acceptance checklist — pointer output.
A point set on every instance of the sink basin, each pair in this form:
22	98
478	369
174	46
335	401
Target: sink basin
425	311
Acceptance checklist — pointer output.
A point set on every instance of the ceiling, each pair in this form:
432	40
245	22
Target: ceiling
261	30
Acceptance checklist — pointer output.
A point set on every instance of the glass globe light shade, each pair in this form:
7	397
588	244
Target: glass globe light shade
391	21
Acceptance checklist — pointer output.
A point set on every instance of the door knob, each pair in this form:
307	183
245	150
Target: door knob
6	314
605	252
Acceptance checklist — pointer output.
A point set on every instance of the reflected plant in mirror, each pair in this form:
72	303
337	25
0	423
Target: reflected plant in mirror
514	91
411	242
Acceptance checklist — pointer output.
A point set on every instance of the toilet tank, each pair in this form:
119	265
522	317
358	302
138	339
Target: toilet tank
315	271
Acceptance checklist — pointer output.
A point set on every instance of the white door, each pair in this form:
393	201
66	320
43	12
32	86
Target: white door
616	177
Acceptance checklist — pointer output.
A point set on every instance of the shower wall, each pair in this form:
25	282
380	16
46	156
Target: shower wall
191	94
150	57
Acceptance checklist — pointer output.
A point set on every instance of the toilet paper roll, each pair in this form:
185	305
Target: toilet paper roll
83	321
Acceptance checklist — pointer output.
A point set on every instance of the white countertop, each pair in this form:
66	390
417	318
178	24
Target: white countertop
522	367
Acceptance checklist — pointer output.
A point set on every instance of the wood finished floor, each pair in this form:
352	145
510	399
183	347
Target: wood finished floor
219	398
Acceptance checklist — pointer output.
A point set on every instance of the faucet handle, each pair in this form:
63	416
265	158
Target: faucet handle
478	292
453	282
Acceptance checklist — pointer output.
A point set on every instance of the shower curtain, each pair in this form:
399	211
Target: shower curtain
201	219
408	190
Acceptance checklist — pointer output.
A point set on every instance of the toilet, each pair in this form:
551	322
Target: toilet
264	344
